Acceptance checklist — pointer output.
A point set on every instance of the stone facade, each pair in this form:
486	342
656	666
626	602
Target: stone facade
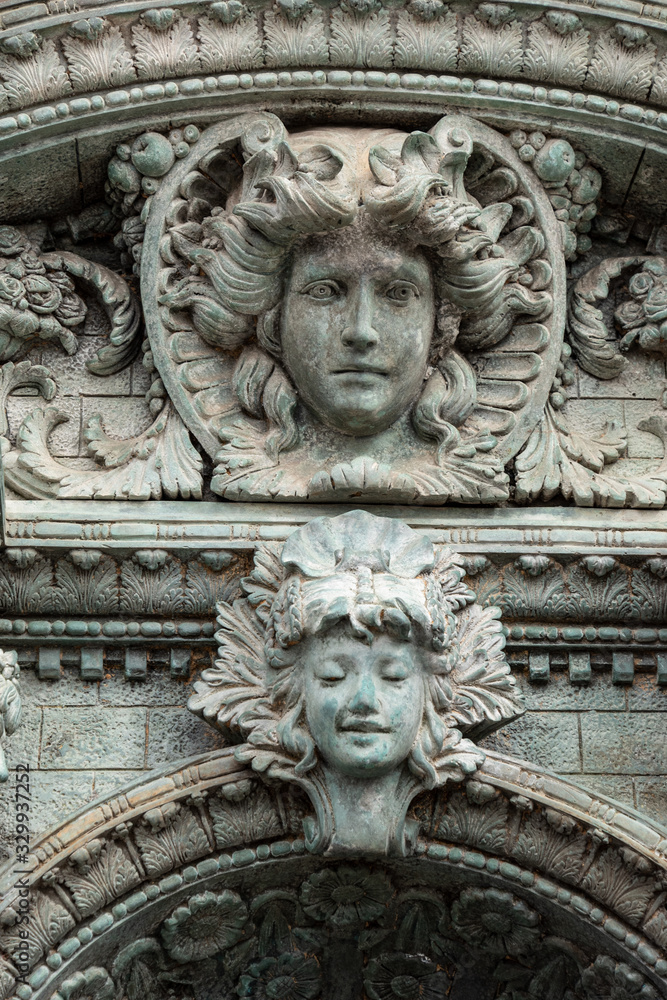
333	582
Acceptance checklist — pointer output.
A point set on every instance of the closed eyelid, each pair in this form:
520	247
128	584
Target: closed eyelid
331	670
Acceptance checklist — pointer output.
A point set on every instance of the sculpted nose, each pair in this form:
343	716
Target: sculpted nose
364	700
359	332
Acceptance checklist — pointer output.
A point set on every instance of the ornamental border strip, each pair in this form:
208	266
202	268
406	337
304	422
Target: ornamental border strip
208	770
645	69
55	14
35	630
445	88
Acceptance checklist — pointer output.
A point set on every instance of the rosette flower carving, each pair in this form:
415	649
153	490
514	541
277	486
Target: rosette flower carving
206	925
607	978
290	977
496	922
405	977
346	896
644	315
39	300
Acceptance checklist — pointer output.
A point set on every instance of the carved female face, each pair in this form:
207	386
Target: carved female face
356	328
364	704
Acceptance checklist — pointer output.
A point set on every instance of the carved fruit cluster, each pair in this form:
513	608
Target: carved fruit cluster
134	175
571	183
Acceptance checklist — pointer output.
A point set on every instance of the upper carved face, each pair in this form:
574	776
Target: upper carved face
356	328
364	703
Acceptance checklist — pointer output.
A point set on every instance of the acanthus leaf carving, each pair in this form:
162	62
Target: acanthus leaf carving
151	589
482	824
361	35
557	49
93	586
171	836
427	41
549	848
620	886
50	921
623	61
36	74
298	41
27	586
230	42
558	459
160	461
492	41
100	874
164	45
206	586
245	817
98	59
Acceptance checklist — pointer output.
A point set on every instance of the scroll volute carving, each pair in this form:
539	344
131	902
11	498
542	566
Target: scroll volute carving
353	667
355	312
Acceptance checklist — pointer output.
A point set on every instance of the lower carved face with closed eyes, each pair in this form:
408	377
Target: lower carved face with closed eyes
356	327
364	703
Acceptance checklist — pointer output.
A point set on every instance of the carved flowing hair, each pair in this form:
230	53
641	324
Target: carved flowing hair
374	575
237	259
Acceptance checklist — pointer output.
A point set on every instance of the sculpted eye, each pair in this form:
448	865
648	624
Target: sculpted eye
402	292
395	673
330	673
322	290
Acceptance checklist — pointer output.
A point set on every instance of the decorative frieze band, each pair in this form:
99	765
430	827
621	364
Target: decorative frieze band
50	58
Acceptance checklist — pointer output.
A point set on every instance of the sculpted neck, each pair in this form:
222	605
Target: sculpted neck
369	813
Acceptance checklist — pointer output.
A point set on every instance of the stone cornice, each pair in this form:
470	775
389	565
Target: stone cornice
186	525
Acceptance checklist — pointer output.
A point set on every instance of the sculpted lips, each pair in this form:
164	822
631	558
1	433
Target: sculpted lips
360	370
363	726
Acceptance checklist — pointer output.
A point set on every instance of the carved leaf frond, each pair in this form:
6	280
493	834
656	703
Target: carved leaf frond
361	41
484	690
593	343
160	54
300	43
545	466
229	46
102	63
627	72
40	77
263	582
426	44
120	304
161	461
457	762
485	49
554	57
234	691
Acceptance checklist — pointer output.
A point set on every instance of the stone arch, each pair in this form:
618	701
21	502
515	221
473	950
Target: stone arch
197	882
